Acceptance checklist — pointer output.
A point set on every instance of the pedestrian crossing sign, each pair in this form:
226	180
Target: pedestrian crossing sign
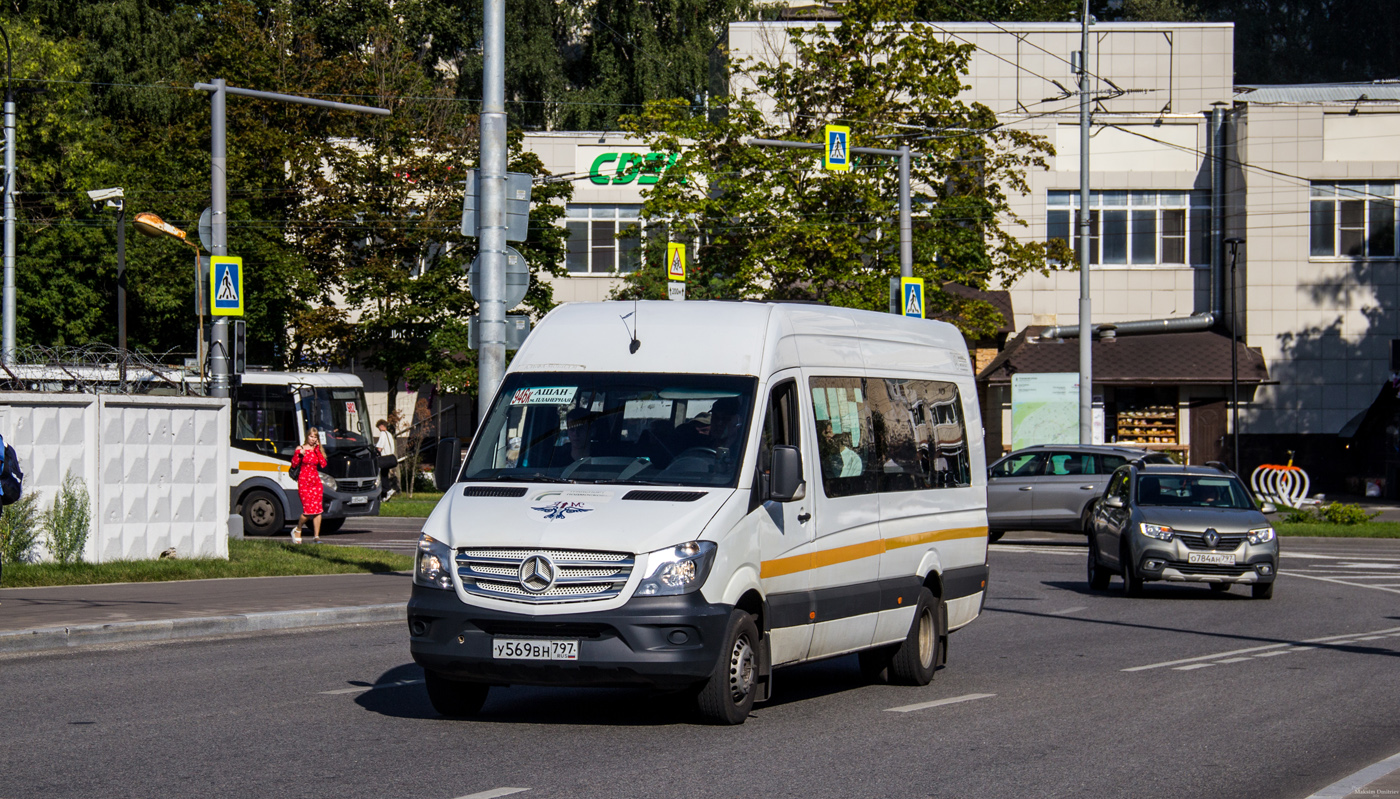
836	155
226	285
912	290
675	261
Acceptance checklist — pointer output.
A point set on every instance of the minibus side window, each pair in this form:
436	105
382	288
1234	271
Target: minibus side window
265	420
845	436
945	441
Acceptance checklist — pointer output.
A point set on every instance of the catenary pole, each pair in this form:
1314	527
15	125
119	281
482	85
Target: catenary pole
218	89
491	219
7	337
1086	328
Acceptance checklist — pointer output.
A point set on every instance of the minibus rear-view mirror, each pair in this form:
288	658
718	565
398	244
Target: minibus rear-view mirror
785	482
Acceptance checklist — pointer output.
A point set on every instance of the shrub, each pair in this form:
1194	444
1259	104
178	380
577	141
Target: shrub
1302	516
19	529
1345	513
66	521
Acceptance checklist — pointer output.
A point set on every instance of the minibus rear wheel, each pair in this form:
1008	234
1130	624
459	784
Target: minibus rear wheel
727	697
454	699
915	659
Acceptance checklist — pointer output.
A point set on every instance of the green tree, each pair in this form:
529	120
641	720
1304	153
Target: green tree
767	222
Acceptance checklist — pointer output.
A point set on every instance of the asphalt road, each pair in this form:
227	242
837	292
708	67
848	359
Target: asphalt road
1054	691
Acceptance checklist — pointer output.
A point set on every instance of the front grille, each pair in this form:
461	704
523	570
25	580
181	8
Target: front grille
1209	568
582	575
1228	541
353	484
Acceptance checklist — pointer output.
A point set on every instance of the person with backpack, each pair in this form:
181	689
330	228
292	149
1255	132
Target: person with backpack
11	479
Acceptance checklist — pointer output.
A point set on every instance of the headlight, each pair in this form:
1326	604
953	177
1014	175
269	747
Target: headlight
1261	535
677	570
434	566
327	482
1157	531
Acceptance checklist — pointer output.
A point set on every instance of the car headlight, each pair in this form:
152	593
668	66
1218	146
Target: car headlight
434	564
1156	531
327	482
1261	535
677	570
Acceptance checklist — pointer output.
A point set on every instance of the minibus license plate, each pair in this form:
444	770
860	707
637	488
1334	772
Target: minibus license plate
533	649
359	500
1212	558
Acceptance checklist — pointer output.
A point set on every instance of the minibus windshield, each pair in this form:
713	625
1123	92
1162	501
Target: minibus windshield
341	417
639	428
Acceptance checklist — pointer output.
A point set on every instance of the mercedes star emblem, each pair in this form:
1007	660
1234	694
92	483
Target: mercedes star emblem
537	574
1212	538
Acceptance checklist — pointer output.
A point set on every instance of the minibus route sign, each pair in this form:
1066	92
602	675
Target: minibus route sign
552	395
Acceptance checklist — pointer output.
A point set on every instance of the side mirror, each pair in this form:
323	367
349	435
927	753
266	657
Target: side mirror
785	482
1268	507
1114	501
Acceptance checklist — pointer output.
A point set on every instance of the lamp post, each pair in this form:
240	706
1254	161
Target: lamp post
7	315
1234	245
155	227
115	198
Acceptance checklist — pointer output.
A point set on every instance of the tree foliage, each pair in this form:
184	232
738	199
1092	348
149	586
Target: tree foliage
769	222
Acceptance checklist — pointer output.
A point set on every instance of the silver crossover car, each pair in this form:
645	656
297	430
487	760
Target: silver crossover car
1054	486
1194	524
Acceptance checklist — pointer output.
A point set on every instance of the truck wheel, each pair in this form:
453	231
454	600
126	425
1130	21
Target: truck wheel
262	514
454	699
332	525
915	659
727	697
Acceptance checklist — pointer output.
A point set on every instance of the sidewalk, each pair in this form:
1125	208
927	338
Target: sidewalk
59	617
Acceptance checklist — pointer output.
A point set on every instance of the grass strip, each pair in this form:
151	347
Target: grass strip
245	559
417	506
1325	530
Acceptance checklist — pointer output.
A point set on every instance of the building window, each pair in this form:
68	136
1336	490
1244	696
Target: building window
1352	220
594	247
1137	228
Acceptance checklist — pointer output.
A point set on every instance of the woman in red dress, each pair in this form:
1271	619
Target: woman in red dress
311	457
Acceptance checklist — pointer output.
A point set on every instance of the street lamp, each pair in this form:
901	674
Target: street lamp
155	227
1234	245
114	198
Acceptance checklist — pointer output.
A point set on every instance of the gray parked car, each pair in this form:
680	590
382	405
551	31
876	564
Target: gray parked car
1054	486
1195	524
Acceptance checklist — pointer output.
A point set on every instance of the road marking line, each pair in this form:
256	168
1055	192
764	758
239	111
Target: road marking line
937	703
1272	654
493	793
1316	556
1330	639
1195	666
359	689
1372	638
1066	611
1232	660
1341	582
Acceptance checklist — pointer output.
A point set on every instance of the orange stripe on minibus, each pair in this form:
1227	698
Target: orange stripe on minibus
779	567
259	466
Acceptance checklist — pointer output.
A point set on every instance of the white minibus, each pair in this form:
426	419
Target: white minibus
687	495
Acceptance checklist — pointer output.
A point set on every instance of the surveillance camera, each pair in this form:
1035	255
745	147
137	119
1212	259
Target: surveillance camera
99	195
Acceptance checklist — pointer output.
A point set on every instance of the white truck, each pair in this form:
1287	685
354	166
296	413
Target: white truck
686	495
271	414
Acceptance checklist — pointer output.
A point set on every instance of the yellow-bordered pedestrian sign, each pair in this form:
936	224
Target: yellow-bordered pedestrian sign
836	155
911	289
675	261
226	285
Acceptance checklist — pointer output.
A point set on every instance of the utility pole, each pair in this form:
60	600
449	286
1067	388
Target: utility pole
7	337
219	384
1086	327
491	357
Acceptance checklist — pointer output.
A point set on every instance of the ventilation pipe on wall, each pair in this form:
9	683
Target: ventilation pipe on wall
1183	324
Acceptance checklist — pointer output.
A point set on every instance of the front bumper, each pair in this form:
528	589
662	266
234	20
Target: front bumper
341	504
662	642
1169	561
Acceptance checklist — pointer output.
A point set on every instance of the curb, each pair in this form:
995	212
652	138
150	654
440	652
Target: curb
57	638
1355	784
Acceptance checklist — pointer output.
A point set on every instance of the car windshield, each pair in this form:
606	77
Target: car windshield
1192	491
340	415
648	429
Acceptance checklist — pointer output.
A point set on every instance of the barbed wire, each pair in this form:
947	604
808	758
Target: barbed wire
96	369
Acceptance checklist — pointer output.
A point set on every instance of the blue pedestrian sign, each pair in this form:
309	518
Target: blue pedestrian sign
911	289
836	154
226	285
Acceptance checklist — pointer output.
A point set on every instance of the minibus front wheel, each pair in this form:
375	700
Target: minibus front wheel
454	699
728	696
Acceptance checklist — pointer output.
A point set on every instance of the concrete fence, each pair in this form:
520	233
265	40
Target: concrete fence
156	468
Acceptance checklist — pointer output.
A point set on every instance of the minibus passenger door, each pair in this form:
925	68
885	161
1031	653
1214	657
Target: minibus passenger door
784	531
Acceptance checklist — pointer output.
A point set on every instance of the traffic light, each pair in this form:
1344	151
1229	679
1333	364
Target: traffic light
240	347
